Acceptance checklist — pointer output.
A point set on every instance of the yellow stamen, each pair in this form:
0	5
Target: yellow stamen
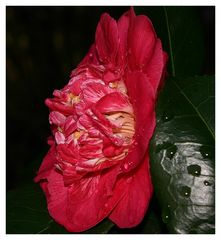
113	84
60	129
74	98
76	135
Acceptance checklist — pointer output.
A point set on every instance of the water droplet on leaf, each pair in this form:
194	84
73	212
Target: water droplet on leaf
194	170
207	183
171	151
165	218
166	214
185	191
207	152
167	116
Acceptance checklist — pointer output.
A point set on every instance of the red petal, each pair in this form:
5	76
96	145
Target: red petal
56	118
70	125
154	69
141	42
75	86
107	39
113	102
59	137
142	98
68	153
123	26
57	202
91	200
111	150
94	91
55	105
131	209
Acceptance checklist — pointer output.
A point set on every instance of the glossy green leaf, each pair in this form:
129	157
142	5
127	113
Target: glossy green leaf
26	212
180	31
182	155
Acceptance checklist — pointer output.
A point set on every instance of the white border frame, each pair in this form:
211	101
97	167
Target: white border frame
3	5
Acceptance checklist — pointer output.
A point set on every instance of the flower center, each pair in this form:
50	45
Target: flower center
94	123
125	121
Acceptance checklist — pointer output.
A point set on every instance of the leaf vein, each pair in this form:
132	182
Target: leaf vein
195	108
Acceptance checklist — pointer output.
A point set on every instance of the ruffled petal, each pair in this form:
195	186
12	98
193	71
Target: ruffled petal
131	209
142	98
141	42
107	40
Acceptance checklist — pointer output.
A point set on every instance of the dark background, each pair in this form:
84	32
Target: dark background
43	45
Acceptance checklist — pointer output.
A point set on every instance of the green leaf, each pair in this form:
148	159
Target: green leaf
182	155
180	31
26	212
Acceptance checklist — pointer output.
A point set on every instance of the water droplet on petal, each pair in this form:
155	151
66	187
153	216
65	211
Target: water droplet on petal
167	116
171	151
207	183
130	163
135	143
185	191
194	170
90	55
126	166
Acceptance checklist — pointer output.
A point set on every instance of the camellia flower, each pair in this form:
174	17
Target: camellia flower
102	122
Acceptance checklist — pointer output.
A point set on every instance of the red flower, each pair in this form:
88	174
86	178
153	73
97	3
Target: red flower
102	122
